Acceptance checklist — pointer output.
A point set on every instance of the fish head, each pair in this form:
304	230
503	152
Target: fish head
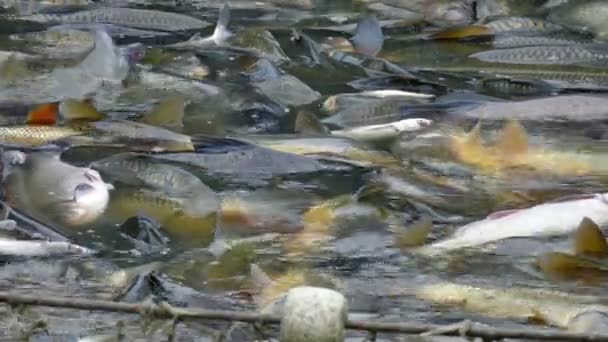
10	159
90	197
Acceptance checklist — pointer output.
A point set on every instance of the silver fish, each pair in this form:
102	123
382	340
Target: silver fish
130	17
553	108
583	55
552	218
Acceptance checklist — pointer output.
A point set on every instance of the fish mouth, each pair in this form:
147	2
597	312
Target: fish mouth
89	201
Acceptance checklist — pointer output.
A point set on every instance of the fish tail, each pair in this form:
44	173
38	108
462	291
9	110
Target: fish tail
221	31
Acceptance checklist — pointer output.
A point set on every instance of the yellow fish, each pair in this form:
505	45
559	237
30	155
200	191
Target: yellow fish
588	260
511	151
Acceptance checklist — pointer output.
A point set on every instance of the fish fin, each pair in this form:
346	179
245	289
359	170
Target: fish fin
513	138
473	138
461	32
338	43
43	114
221	32
169	113
259	279
556	263
501	213
415	235
234	211
589	240
72	109
308	123
368	38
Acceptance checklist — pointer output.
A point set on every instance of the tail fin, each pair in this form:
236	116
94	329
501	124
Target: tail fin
368	38
589	239
308	123
169	113
72	109
221	32
43	114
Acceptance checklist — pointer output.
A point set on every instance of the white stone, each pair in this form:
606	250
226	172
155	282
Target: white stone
312	314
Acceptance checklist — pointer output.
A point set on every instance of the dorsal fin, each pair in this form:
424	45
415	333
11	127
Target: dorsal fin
259	279
43	114
416	234
556	263
473	138
169	113
308	123
513	138
589	240
462	32
73	109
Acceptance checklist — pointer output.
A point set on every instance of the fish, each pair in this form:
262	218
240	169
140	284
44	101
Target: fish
438	12
558	217
554	308
342	101
140	136
180	217
138	170
267	292
562	77
253	41
368	38
320	147
586	261
381	134
511	151
284	89
586	15
506	8
503	86
168	113
35	136
246	162
46	187
499	27
570	107
33	248
115	31
58	43
83	127
105	64
584	55
130	17
553	40
220	35
371	111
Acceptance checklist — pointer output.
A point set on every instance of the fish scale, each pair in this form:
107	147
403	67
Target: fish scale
557	55
511	24
137	18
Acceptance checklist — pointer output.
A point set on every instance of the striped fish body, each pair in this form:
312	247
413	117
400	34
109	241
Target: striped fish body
35	135
555	55
130	17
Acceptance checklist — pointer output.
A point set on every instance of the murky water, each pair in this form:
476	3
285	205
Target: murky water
243	168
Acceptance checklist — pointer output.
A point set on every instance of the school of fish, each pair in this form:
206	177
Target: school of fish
440	160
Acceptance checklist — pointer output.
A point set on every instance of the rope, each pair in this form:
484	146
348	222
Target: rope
166	311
